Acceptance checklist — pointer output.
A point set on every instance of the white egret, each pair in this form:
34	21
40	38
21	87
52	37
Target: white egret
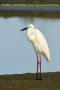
40	45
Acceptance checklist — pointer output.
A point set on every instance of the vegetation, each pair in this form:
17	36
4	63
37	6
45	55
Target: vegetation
29	1
31	14
50	81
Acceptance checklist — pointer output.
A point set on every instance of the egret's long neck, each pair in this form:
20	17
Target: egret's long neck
30	34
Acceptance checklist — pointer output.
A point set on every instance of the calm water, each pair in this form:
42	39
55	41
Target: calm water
17	54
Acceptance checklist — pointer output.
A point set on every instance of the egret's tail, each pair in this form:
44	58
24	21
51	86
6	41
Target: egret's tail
47	55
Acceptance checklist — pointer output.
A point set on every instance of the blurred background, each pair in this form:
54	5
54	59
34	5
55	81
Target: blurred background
17	54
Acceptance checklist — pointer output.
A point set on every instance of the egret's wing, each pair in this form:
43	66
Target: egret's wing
40	39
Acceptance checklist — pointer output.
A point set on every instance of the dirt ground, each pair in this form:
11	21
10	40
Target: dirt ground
27	81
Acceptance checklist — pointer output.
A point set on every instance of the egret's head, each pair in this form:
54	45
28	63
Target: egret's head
29	27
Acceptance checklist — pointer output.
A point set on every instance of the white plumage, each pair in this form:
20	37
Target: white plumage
39	42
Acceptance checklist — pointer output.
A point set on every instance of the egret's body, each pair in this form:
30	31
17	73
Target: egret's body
39	42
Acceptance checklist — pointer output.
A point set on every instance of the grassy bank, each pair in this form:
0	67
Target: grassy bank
30	1
7	14
50	81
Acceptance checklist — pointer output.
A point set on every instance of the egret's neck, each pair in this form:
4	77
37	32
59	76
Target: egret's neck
30	31
30	34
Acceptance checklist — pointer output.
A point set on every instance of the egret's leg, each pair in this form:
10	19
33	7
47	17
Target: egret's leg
40	67
37	66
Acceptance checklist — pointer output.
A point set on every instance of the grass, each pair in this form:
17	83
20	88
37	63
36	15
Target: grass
29	1
31	5
31	14
25	81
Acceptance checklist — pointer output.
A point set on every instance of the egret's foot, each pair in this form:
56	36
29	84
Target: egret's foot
39	79
36	78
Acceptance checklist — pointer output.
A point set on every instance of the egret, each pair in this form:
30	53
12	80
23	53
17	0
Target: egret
39	43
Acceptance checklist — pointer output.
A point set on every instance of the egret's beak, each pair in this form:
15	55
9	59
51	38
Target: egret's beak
24	29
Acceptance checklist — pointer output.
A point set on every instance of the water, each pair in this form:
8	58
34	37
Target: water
17	54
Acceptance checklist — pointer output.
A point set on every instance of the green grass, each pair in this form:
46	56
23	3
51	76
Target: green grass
29	14
31	5
50	80
29	1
